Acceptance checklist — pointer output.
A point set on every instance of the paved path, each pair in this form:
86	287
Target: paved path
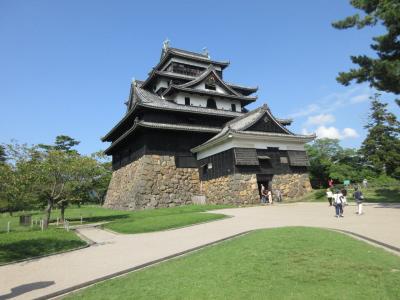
114	253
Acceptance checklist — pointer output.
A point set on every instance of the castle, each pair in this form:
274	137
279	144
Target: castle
187	137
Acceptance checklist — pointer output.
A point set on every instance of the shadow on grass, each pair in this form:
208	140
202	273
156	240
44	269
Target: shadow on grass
96	219
25	288
36	247
384	195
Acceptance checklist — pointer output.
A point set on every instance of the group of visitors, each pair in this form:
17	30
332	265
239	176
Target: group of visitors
338	199
267	197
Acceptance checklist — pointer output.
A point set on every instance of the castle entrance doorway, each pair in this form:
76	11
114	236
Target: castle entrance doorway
264	179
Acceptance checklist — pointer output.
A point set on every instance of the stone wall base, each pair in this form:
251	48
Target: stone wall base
292	185
232	189
150	182
154	181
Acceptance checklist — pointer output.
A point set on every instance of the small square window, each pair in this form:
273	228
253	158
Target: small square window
284	160
210	87
187	101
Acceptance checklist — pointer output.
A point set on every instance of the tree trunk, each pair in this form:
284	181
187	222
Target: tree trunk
62	211
47	213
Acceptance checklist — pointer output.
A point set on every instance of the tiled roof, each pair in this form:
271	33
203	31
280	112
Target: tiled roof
149	99
209	92
191	53
237	89
144	98
243	122
284	122
184	127
204	75
165	126
242	87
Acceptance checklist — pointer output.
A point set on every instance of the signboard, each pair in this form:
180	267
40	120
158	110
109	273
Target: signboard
346	182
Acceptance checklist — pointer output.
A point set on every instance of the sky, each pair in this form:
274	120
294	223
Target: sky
66	66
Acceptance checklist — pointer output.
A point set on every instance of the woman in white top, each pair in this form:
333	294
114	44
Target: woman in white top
329	195
338	200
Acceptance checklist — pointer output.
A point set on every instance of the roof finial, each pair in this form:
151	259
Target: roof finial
205	52
166	44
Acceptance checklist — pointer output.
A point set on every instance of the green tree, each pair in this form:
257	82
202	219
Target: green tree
102	180
3	156
62	143
381	147
322	153
17	179
382	72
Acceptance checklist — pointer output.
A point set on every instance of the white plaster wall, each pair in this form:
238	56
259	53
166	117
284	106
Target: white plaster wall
240	143
202	86
201	101
161	83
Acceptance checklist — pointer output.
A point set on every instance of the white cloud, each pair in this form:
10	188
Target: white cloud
359	98
327	132
334	133
320	119
335	101
349	133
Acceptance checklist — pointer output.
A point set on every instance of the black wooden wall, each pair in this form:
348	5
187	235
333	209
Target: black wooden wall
223	164
146	141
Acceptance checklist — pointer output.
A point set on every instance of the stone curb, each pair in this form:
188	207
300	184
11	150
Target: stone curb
64	292
371	241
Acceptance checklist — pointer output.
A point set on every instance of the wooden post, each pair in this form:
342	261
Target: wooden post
58	219
67	225
32	222
42	224
8	227
81	220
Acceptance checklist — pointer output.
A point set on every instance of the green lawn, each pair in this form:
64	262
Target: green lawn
27	244
383	194
282	263
157	223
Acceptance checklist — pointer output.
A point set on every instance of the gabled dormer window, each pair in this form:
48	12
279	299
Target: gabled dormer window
211	103
210	83
187	100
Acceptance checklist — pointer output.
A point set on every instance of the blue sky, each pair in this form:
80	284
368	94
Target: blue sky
66	66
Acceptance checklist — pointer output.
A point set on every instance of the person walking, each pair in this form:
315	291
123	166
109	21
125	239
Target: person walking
365	183
338	199
278	195
329	195
269	193
263	194
330	183
344	193
358	196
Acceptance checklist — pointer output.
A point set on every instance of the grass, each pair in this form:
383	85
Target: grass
27	244
158	223
282	263
372	194
165	218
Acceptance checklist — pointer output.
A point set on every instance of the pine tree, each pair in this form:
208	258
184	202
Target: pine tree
383	72
381	147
